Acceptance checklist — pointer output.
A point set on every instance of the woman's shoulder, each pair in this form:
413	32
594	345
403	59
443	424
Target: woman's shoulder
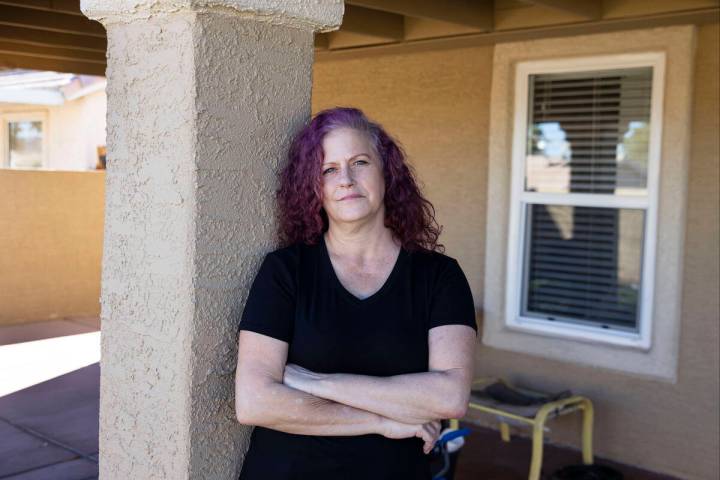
285	253
290	255
432	259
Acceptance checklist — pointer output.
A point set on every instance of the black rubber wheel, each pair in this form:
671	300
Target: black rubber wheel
587	472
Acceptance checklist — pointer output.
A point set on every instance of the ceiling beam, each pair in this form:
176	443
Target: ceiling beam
366	21
589	9
32	36
48	20
705	16
341	40
471	13
57	53
64	6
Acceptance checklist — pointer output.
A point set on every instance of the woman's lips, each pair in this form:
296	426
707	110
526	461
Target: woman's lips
350	197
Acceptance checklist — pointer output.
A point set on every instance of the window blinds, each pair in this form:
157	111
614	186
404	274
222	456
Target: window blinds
589	134
583	264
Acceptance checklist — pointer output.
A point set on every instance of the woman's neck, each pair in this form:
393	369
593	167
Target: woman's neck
361	245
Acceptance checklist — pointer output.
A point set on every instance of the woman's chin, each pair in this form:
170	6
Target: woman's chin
359	212
352	216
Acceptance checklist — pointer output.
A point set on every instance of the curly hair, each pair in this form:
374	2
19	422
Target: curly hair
301	216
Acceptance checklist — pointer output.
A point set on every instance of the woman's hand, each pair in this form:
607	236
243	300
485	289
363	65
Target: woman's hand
429	432
300	378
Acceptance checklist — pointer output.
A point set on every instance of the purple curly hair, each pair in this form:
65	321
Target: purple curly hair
301	217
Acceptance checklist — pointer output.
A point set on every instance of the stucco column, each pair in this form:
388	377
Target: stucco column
203	98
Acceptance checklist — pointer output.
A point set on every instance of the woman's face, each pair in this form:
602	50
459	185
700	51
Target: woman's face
353	185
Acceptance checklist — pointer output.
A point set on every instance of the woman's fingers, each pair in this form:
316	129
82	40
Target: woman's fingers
428	432
436	428
430	429
423	433
431	432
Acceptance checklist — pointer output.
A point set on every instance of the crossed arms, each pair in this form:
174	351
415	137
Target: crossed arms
291	399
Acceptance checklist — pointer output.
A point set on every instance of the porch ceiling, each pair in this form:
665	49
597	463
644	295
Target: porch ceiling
55	35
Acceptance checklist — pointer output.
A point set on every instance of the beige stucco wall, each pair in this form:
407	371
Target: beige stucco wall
436	102
74	129
51	230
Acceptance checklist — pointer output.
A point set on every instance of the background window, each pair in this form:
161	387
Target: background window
583	200
25	144
588	132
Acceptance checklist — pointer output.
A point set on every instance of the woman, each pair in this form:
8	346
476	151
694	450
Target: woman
357	336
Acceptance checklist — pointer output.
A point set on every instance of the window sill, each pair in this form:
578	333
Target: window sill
654	363
582	333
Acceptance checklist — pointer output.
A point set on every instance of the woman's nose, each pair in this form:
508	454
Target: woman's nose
345	177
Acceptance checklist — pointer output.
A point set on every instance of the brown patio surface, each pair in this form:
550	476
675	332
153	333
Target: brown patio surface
486	457
50	430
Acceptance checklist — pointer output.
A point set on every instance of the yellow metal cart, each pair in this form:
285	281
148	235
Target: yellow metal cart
535	416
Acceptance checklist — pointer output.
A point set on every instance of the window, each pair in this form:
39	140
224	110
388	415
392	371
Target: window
628	197
584	197
24	140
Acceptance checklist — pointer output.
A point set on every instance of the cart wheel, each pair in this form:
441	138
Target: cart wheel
587	472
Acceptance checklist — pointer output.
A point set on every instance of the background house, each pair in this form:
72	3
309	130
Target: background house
51	120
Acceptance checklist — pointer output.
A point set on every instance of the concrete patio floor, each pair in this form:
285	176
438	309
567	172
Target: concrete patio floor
49	431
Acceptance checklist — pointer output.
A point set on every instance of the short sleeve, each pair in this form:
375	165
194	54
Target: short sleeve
270	306
452	302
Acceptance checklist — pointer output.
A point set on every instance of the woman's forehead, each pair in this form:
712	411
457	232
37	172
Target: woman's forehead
346	135
346	143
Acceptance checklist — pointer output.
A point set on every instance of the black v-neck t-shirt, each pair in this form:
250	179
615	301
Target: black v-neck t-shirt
296	297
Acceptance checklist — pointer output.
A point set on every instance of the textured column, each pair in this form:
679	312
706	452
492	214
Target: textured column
203	98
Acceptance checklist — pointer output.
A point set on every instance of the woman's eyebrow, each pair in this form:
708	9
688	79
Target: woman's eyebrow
354	156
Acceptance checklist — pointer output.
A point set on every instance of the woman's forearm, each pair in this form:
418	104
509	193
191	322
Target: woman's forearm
415	397
279	407
409	398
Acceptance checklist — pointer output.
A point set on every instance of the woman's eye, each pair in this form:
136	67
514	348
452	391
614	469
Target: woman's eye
361	162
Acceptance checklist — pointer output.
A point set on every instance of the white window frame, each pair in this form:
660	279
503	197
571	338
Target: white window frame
520	201
23	117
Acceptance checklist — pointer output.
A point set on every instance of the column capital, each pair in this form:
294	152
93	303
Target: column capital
316	15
